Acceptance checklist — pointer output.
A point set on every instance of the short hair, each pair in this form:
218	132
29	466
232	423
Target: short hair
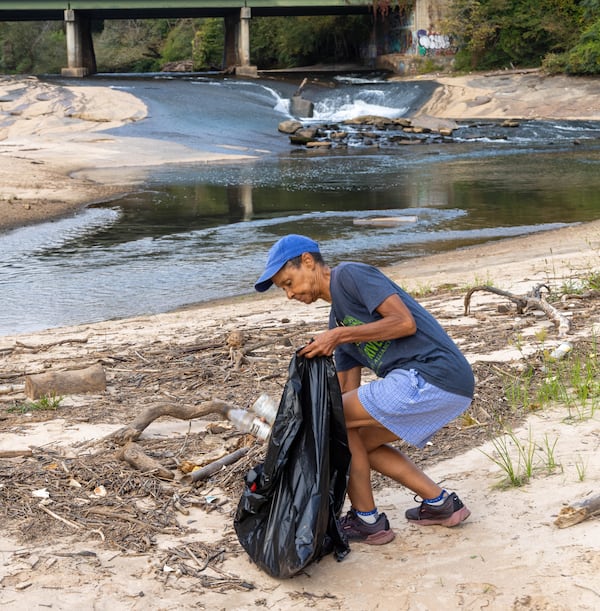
297	261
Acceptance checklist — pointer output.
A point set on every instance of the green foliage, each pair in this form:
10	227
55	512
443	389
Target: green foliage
520	460
428	65
131	45
208	44
591	8
559	35
145	45
555	63
592	280
584	57
34	47
581	467
178	42
573	382
514	457
503	33
265	34
470	25
278	42
44	403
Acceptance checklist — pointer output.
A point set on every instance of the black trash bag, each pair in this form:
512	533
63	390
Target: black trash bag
287	515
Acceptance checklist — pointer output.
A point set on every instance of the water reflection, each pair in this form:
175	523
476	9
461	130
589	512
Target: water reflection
486	193
196	233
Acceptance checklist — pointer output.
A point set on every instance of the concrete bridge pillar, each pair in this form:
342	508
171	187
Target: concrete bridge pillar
81	59
244	41
243	67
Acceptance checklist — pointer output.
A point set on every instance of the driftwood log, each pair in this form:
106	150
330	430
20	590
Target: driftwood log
132	431
578	512
74	381
15	453
533	300
135	456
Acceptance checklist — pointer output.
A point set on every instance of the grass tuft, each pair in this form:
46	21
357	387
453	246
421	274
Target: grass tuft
44	403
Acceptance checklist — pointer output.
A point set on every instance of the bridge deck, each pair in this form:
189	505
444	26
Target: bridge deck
54	9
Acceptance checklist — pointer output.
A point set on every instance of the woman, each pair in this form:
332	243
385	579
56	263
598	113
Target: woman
423	381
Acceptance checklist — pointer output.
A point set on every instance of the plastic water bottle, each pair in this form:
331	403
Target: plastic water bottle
561	351
246	422
266	408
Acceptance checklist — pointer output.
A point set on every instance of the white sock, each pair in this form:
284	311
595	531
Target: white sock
368	517
438	500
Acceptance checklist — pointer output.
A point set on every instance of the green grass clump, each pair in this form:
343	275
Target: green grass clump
44	403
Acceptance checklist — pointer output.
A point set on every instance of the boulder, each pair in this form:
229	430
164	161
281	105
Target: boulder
296	139
369	120
318	144
289	126
306	132
433	124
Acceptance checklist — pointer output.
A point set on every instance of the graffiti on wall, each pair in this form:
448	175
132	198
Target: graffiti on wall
432	43
398	33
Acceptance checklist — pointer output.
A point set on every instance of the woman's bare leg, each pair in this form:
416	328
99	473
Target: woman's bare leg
395	464
367	441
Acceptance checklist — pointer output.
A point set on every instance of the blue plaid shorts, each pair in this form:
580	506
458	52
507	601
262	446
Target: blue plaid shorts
408	406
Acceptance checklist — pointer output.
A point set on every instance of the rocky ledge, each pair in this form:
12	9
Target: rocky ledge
373	130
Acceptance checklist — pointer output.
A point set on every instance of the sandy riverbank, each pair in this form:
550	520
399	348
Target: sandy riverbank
508	555
49	133
515	95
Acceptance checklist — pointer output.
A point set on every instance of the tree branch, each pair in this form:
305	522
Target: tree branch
132	431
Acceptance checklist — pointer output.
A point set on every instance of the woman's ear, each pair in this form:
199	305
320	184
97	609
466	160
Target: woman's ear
308	260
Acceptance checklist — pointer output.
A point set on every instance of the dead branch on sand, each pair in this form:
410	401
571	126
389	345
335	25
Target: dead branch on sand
215	466
132	431
534	300
578	511
135	456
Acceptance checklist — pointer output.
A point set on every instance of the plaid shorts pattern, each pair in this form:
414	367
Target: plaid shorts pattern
410	407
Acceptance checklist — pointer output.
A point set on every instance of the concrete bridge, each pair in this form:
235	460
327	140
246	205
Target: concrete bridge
78	15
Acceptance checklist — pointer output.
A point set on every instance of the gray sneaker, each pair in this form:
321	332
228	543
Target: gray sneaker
450	513
356	529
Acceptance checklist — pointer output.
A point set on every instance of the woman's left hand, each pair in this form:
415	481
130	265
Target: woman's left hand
322	345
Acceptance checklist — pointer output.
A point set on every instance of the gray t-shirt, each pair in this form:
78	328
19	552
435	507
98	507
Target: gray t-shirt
357	290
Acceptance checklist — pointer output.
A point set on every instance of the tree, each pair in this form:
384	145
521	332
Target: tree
280	42
208	44
584	57
33	47
131	45
503	33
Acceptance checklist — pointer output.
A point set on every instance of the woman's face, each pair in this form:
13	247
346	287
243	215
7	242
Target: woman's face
299	283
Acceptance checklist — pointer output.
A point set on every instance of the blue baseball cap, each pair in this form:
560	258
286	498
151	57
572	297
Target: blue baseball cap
280	253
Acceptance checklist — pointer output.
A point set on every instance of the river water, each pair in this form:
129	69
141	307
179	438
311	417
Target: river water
194	232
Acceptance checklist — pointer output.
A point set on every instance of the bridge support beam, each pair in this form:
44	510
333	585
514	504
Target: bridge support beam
81	59
243	67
